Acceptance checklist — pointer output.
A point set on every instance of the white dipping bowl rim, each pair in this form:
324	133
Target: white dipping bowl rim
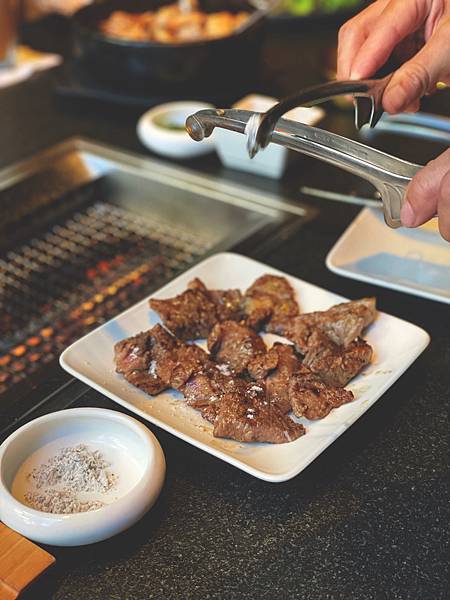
76	529
173	143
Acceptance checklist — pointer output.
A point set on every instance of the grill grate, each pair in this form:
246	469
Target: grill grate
77	275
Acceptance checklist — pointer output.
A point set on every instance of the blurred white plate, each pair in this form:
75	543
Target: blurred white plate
416	261
396	345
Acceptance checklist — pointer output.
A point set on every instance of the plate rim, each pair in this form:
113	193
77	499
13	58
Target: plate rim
424	339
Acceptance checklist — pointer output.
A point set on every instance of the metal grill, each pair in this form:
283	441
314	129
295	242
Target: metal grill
77	274
87	231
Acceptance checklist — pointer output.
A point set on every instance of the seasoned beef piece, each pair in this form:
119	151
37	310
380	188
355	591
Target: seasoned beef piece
208	385
235	345
250	417
197	284
269	297
192	314
177	367
286	364
262	364
313	399
189	316
228	303
334	364
345	322
135	358
205	389
209	412
206	394
155	360
258	309
297	330
342	323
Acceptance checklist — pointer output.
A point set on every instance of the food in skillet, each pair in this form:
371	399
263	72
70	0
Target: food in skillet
172	24
246	390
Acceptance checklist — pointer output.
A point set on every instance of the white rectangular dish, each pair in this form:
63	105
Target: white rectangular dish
396	345
415	261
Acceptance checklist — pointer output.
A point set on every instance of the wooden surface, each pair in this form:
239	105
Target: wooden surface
21	562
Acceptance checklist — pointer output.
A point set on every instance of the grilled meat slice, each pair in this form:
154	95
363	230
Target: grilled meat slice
258	309
208	385
345	322
336	365
134	358
155	360
269	297
205	390
177	367
296	330
342	323
189	316
209	412
262	364
228	303
277	382
235	345
250	417
276	369
197	284
313	399
192	314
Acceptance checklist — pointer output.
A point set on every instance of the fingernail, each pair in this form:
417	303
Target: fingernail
407	215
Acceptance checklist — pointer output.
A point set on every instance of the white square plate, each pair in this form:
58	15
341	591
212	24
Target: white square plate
396	345
415	261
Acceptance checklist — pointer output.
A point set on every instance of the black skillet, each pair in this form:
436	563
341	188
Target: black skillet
160	68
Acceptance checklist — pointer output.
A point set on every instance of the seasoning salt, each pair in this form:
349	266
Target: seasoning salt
71	471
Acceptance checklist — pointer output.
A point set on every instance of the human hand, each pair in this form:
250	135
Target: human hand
428	195
417	32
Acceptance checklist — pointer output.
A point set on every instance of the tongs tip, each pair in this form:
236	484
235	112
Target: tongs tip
252	131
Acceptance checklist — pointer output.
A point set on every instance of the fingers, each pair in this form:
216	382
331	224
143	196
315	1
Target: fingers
444	207
428	194
420	74
413	107
352	36
393	24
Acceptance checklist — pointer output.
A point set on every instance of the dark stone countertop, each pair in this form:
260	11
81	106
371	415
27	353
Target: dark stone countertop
368	519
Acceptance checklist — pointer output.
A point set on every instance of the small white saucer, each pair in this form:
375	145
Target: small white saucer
132	450
414	261
161	129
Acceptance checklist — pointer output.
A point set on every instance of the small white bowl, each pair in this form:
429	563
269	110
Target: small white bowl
133	451
154	130
271	161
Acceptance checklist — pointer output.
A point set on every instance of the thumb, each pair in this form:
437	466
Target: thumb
424	191
420	74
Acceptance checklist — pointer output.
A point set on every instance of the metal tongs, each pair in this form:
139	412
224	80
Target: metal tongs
389	175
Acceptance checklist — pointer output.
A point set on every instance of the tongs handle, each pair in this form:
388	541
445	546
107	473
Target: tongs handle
390	175
368	95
